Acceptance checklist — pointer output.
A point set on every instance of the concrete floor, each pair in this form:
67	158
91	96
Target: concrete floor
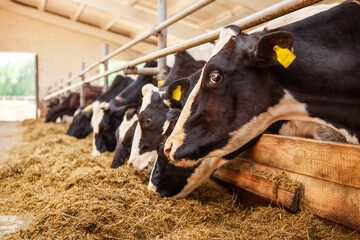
10	134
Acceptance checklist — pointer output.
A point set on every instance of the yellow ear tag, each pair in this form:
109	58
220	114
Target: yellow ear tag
284	56
176	95
160	83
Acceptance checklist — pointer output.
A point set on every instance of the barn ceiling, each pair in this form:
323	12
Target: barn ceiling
122	20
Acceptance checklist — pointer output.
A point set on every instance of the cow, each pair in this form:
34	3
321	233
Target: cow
170	180
243	89
152	116
81	125
53	102
124	137
144	151
106	120
153	111
177	182
71	103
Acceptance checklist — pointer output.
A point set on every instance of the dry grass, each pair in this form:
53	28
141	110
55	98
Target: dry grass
70	194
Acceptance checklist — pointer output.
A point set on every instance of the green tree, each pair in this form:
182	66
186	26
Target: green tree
18	79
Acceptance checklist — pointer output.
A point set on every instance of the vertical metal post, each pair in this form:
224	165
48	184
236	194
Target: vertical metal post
61	84
105	53
82	89
162	5
38	112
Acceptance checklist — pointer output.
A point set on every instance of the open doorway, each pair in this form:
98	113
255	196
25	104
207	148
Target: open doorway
17	86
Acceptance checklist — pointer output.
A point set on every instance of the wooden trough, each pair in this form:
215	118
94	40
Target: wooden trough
328	172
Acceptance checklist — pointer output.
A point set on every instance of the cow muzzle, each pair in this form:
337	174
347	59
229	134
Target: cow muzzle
169	151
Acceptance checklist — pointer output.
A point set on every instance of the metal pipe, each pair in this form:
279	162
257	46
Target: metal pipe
142	71
162	39
154	30
82	90
105	63
257	18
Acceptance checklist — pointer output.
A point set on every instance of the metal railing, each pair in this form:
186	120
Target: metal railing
155	30
255	19
18	98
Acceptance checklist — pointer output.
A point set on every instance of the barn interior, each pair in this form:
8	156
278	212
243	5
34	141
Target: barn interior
53	188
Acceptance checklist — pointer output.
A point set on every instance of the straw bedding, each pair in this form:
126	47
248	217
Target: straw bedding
69	194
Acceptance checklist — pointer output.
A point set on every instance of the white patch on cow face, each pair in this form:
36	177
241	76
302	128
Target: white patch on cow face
166	126
77	112
145	161
177	136
142	161
135	150
151	186
125	125
97	116
200	175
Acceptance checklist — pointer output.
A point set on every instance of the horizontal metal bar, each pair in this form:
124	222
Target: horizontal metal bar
184	13
142	71
143	36
257	18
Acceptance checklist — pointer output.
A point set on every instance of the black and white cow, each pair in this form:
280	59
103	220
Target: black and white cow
152	119
243	89
71	103
173	181
81	124
124	137
152	116
107	117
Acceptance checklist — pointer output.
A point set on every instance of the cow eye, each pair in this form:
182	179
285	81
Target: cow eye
146	122
215	77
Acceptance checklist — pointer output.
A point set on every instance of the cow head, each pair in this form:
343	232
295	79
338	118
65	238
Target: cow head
104	128
173	181
234	101
152	116
124	137
81	126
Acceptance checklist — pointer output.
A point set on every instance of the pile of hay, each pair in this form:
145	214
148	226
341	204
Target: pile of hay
53	179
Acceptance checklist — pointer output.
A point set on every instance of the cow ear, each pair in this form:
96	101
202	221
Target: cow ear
265	49
147	89
177	92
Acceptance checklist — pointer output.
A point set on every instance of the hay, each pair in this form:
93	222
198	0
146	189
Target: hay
69	194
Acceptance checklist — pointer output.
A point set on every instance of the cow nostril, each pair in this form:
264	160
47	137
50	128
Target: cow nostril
131	164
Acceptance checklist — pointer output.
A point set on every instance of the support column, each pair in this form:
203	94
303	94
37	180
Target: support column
162	5
82	89
106	78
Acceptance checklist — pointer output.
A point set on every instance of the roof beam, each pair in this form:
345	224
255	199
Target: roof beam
133	2
108	25
178	29
42	5
79	10
62	22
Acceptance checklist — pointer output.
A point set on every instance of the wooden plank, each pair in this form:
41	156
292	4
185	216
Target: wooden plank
335	162
333	201
287	196
79	10
108	25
